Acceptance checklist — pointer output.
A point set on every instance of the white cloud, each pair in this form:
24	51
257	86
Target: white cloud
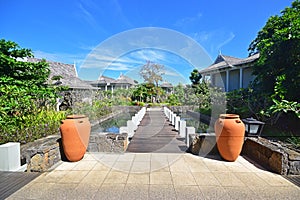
126	62
60	57
45	55
213	40
169	72
120	14
85	14
188	21
226	41
202	36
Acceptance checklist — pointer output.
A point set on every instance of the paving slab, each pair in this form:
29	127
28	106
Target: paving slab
103	179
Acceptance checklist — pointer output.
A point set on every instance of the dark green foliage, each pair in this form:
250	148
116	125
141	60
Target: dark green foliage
247	103
279	46
277	84
195	77
24	95
142	92
173	100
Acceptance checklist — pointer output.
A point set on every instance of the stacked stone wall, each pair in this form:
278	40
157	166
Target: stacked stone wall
108	142
272	156
41	154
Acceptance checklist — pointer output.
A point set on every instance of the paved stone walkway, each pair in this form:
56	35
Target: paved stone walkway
155	134
157	176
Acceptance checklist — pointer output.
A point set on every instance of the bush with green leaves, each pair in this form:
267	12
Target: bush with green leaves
273	96
173	100
27	128
26	100
95	110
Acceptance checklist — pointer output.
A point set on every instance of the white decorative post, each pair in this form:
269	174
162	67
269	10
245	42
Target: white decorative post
177	119
189	130
182	126
10	156
123	129
172	118
130	128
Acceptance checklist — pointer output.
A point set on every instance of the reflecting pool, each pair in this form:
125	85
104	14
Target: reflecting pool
113	124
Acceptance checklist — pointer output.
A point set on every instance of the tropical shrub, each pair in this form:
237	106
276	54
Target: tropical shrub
29	127
94	111
26	100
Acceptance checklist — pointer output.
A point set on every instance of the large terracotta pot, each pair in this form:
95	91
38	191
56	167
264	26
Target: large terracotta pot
230	132
75	134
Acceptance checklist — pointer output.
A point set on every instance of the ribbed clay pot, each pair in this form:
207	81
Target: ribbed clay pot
75	134
230	132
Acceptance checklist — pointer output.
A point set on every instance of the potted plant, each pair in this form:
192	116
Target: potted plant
75	133
230	131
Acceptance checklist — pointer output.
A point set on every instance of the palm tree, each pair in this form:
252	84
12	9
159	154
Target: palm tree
140	93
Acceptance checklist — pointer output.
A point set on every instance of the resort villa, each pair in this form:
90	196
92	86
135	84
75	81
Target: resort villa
109	84
226	72
230	73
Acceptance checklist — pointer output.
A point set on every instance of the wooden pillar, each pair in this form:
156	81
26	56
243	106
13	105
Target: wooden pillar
241	77
227	81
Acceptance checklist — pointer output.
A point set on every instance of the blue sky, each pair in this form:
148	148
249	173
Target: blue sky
69	31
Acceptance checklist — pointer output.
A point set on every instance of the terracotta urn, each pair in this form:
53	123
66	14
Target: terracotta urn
230	132
75	133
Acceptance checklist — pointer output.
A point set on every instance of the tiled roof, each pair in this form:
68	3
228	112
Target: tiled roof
249	59
67	72
125	80
223	62
105	79
227	59
166	85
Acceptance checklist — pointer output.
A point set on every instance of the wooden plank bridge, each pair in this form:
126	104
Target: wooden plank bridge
156	134
11	182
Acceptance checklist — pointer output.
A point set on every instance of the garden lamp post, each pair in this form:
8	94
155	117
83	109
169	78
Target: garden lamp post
253	127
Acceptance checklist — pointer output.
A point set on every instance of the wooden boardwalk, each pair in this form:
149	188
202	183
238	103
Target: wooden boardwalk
11	182
155	134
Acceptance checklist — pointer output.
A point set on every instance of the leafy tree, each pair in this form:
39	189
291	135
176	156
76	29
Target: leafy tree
140	93
195	77
26	101
152	73
279	46
18	71
179	92
22	83
281	105
172	100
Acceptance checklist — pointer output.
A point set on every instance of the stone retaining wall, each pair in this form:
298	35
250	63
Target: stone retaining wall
108	142
203	144
41	154
272	156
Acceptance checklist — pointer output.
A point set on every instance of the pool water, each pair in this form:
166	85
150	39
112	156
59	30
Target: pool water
112	125
200	127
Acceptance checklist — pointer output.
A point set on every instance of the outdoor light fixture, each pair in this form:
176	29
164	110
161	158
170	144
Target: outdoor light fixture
253	127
